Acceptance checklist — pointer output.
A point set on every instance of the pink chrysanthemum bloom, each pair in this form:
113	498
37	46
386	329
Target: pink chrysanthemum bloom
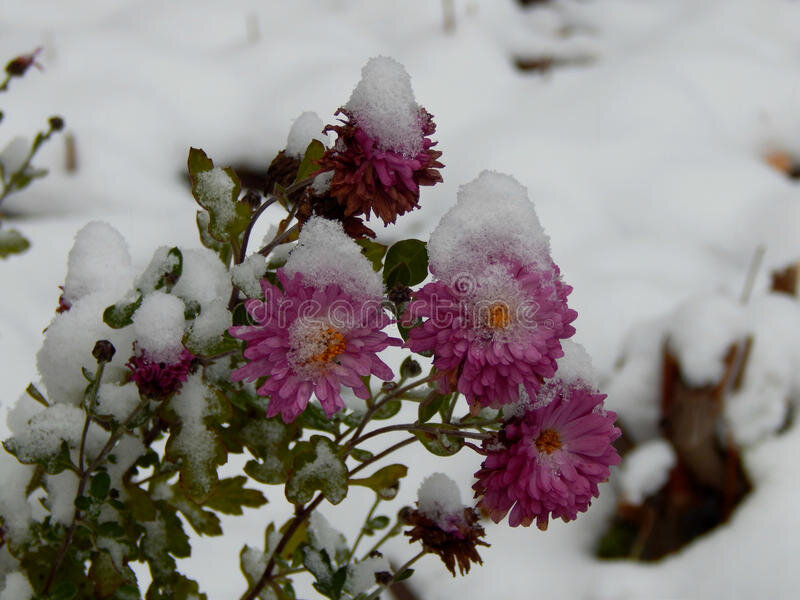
383	151
321	331
549	458
158	379
494	331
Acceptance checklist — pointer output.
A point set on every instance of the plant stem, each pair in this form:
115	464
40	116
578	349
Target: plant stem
278	239
84	479
422	429
366	524
299	518
400	571
246	236
383	454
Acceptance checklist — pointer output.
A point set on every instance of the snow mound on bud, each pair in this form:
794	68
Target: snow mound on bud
493	219
305	128
645	470
158	325
575	367
361	575
439	497
326	255
68	345
247	275
99	261
383	105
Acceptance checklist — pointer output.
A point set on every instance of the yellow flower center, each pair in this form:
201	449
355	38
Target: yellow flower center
498	316
548	441
334	346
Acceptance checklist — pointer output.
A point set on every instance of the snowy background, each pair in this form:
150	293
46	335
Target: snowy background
643	149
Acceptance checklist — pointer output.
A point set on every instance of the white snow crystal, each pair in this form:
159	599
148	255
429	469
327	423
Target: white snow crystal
247	275
492	218
49	427
99	261
215	188
162	262
68	345
324	537
158	324
326	255
204	278
117	400
439	497
361	575
701	331
14	508
17	417
322	182
191	406
16	587
384	107
61	491
575	367
213	320
645	469
305	128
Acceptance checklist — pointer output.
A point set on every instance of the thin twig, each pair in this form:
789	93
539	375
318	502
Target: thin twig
278	240
377	591
352	552
382	454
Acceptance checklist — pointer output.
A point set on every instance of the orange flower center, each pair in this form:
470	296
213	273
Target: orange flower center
548	441
498	316
334	346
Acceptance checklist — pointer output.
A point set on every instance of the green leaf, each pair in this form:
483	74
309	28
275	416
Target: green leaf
100	485
439	443
52	463
104	574
65	590
203	228
317	467
406	263
217	190
231	495
110	529
404	575
267	440
170	277
12	242
388	410
313	417
83	503
309	165
121	314
361	455
34	393
373	251
379	522
430	406
384	482
127	592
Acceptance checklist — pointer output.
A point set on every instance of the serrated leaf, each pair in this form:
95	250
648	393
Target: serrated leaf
105	576
231	495
373	251
53	463
121	314
308	165
267	440
217	190
317	467
12	242
406	263
384	482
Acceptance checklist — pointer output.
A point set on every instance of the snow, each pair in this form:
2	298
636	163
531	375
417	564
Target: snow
439	498
98	262
215	188
61	490
117	400
645	162
361	575
158	325
325	255
16	587
383	106
324	537
247	275
162	262
204	278
644	470
14	510
575	367
195	440
492	218
305	128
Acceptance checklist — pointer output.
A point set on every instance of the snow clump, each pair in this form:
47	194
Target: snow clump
306	128
439	498
158	324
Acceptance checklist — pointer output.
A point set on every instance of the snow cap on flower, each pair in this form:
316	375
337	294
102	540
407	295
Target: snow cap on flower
444	525
326	255
549	461
305	128
384	107
492	219
159	324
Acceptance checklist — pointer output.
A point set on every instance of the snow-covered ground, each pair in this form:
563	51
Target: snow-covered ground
644	154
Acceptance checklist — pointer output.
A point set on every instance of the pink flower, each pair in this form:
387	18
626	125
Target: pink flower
159	379
368	177
493	330
311	340
549	460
